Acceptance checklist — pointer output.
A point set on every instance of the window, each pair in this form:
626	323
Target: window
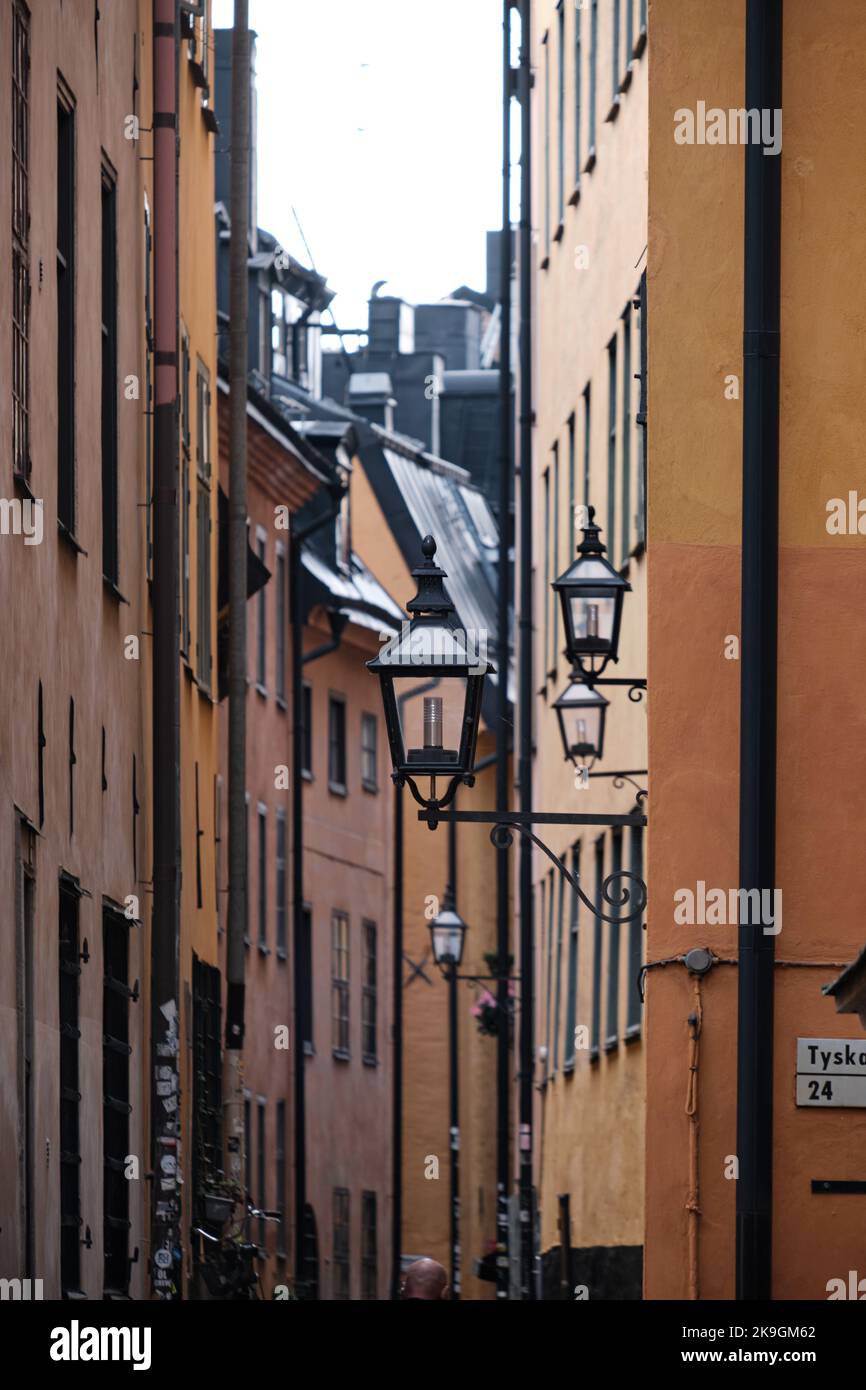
184	494
116	1109
550	917
261	617
551	594
629	31
557	990
369	760
148	385
612	1030
547	574
337	744
65	312
40	752
247	870
369	1261
571	996
204	617
593	76
280	620
307	768
341	1243
199	901
248	1158
70	1096
578	90
643	10
207	1099
560	113
615	47
611	450
262	818
595	1035
642	416
587	433
265	334
280	1195
546	46
72	760
368	994
627	385
571	533
21	239
635	944
306	1019
24	982
340	983
261	1156
282	932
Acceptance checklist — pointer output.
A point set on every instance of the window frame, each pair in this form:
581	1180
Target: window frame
341	1020
368	783
369	992
336	785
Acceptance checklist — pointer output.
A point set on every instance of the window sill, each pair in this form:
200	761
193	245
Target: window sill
560	232
632	1034
210	120
639	44
337	789
246	941
306	774
70	539
575	197
369	1060
371	787
339	1055
111	588
309	1049
544	263
611	1044
626	81
281	703
590	162
594	1053
261	690
568	1068
263	949
282	953
613	112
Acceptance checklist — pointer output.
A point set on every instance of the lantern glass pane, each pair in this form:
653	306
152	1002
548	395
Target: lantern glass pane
432	721
593	620
582	730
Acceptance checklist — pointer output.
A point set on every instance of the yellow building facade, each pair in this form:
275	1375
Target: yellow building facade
589	223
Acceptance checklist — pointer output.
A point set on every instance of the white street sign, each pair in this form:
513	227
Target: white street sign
831	1072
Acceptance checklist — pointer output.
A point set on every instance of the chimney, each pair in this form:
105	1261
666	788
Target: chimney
371	396
391	325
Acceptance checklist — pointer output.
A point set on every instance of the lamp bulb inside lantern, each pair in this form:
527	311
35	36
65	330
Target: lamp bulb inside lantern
432	721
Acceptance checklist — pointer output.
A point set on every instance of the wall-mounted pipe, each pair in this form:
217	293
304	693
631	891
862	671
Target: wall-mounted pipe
758	654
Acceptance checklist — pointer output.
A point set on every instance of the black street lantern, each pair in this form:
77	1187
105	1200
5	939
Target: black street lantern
591	592
448	932
432	675
581	711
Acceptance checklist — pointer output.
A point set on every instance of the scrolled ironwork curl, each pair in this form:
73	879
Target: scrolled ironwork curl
501	836
636	693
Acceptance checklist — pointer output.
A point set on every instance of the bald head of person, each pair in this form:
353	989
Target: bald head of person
425	1279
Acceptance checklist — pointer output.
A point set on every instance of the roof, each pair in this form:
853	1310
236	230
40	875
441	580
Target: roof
356	593
420	494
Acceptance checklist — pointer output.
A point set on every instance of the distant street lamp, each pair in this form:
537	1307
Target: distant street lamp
447	931
581	711
591	593
441	742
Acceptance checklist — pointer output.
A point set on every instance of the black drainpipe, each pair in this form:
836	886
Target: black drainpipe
758	655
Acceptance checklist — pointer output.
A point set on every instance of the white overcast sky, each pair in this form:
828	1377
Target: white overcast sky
379	121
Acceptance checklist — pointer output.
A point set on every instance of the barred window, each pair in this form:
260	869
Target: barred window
369	1253
341	1242
368	995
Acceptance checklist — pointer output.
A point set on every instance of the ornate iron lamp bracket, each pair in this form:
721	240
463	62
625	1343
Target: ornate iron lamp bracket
503	824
